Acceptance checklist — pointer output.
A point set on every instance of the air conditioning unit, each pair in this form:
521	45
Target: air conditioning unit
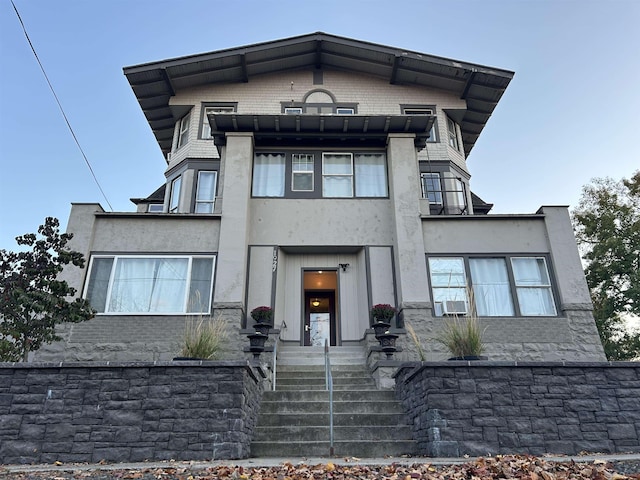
454	307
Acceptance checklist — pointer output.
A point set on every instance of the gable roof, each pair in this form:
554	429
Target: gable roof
154	83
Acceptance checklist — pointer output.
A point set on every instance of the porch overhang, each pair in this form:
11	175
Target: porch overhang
270	128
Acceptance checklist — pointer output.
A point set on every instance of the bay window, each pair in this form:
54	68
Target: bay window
174	198
495	286
183	130
206	191
150	284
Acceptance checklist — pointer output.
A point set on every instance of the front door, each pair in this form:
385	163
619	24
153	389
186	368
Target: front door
319	318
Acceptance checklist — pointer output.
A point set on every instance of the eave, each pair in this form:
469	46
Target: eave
155	83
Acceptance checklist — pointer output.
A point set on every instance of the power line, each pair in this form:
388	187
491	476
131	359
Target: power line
60	106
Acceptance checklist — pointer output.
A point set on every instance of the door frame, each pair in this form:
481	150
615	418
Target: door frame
335	335
331	296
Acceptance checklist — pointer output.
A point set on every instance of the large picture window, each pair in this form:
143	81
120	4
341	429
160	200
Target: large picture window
340	174
150	284
492	284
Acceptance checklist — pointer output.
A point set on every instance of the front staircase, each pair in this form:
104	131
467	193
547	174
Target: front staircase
294	419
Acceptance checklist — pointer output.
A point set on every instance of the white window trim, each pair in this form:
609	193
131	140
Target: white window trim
293	110
433	135
206	127
183	130
174	194
155	208
452	131
345	111
187	290
211	202
306	172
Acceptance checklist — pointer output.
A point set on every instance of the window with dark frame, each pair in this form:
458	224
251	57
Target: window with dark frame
433	136
150	284
174	198
343	174
206	191
208	109
500	286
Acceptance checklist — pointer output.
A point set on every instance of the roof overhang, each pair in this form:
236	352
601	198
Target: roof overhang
271	128
155	83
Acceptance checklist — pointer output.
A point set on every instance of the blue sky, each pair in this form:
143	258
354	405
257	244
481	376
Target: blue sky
571	112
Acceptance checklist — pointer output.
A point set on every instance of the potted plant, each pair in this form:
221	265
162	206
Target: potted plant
381	314
203	339
262	315
463	338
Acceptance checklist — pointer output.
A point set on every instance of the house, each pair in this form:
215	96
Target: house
322	175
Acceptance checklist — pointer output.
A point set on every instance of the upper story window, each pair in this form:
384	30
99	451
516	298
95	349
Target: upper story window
128	284
155	208
183	131
205	129
432	187
205	191
342	174
302	167
452	130
497	286
318	102
407	110
174	195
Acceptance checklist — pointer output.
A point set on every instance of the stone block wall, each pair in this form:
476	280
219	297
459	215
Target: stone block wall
487	408
88	412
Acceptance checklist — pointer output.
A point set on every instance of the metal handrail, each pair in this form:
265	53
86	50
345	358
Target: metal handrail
283	327
329	386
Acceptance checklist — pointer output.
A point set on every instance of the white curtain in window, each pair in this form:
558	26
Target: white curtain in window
268	175
337	171
371	175
533	286
491	287
205	192
153	285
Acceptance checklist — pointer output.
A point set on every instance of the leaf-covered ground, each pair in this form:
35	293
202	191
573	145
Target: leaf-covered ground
499	467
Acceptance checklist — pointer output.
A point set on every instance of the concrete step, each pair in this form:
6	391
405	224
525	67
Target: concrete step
308	433
336	388
359	448
309	381
323	396
307	407
295	355
339	419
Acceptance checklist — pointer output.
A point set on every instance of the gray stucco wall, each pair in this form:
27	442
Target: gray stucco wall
127	412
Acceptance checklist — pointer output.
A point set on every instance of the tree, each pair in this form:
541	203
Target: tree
32	298
607	227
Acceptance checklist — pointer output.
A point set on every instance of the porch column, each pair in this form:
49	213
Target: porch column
234	227
409	253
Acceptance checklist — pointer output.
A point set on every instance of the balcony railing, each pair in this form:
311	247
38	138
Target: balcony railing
447	194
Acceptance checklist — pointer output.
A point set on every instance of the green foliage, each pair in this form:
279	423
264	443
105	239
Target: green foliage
383	312
462	337
204	339
32	298
262	314
607	227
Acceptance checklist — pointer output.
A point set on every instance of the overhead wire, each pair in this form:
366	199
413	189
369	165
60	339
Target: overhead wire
24	29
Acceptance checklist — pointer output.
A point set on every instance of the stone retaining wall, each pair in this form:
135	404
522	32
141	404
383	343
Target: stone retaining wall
486	408
88	412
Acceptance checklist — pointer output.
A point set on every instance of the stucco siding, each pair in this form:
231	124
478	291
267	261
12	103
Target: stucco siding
467	234
320	222
153	234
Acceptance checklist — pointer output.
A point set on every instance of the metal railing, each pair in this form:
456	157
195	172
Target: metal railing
329	386
283	327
